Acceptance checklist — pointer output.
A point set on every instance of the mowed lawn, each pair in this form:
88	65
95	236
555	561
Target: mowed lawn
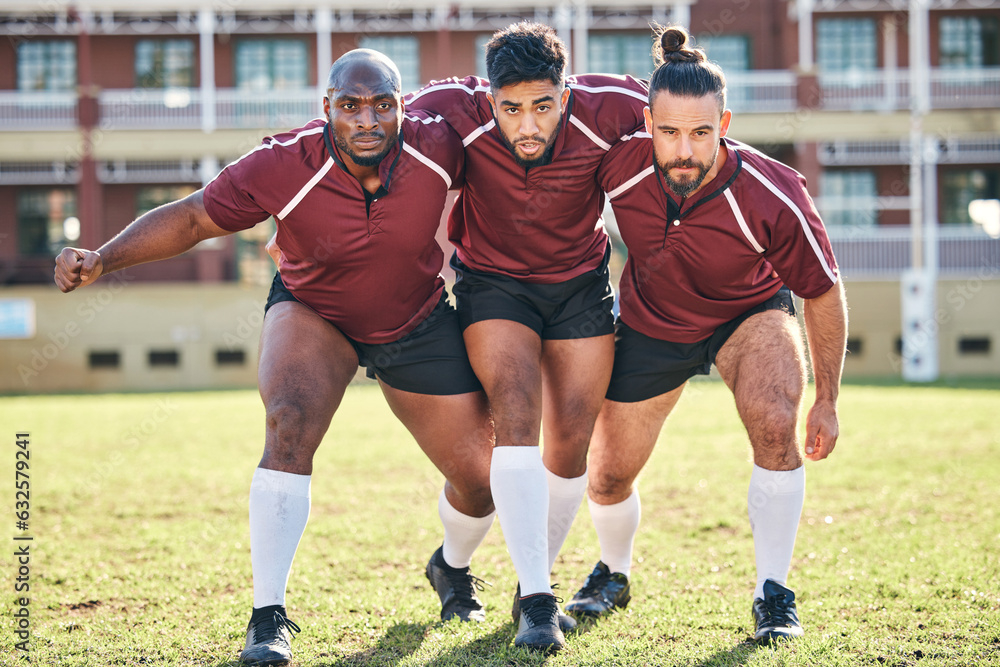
141	544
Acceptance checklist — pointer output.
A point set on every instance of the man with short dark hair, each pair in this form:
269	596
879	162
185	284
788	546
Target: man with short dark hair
710	225
357	197
532	289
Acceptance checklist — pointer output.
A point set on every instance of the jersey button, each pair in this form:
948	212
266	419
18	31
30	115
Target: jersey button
677	223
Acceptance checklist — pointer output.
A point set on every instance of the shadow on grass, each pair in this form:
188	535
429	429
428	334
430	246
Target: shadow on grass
398	642
738	655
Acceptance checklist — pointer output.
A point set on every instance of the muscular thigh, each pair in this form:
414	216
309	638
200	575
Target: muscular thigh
763	363
304	362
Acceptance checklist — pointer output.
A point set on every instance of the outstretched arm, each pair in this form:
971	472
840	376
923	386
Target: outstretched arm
826	330
164	232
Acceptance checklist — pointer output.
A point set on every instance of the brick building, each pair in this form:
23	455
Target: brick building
891	109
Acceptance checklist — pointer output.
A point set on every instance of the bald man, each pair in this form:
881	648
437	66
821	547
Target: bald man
357	196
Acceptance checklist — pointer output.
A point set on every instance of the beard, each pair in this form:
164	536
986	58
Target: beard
365	160
682	188
545	155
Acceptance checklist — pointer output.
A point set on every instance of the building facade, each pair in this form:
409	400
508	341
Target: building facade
891	109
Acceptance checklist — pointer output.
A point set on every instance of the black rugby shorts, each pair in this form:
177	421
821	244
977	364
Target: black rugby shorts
431	359
646	367
576	308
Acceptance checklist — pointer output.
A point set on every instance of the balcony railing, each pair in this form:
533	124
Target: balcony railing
25	109
884	253
762	91
890	89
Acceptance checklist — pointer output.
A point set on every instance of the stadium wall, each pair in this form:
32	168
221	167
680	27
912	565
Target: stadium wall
122	336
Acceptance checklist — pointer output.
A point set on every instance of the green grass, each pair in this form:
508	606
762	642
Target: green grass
141	550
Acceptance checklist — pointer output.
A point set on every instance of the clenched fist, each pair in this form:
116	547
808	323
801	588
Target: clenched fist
76	267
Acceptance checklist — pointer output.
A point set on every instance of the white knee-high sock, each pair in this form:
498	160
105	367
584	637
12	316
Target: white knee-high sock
616	526
279	510
521	495
462	533
565	496
774	503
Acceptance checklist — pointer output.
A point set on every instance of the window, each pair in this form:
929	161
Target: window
846	44
969	41
621	54
404	51
150	197
43	65
164	63
274	64
481	42
46	221
849	197
961	186
730	52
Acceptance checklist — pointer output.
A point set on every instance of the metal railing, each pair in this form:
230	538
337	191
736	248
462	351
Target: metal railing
762	91
162	109
27	109
890	89
275	109
884	253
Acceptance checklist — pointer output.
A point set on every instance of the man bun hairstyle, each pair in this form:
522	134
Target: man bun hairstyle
525	51
683	69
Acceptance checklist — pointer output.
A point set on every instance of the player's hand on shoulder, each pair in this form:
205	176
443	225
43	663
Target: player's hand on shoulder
76	267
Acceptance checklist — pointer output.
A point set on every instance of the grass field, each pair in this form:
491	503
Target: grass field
141	546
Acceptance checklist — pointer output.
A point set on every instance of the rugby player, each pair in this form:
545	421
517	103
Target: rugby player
532	287
358	196
710	224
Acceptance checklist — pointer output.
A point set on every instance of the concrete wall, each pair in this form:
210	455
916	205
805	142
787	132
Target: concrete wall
199	321
966	309
195	321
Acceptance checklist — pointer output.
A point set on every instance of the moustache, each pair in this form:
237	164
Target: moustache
535	139
684	164
367	135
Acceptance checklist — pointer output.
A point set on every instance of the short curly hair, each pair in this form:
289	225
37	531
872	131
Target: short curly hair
525	51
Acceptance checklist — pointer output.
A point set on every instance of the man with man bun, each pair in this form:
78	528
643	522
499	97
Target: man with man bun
710	224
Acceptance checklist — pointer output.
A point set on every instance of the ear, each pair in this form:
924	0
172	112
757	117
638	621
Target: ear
493	102
727	117
326	107
564	99
647	114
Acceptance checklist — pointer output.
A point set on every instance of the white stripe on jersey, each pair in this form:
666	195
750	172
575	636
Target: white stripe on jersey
586	130
427	161
306	188
425	121
478	132
611	89
450	86
272	144
636	135
742	222
632	181
806	229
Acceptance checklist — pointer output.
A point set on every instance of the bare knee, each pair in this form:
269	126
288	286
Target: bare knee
609	487
772	426
293	434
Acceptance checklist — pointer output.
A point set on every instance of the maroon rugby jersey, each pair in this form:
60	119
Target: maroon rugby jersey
375	275
539	225
697	263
